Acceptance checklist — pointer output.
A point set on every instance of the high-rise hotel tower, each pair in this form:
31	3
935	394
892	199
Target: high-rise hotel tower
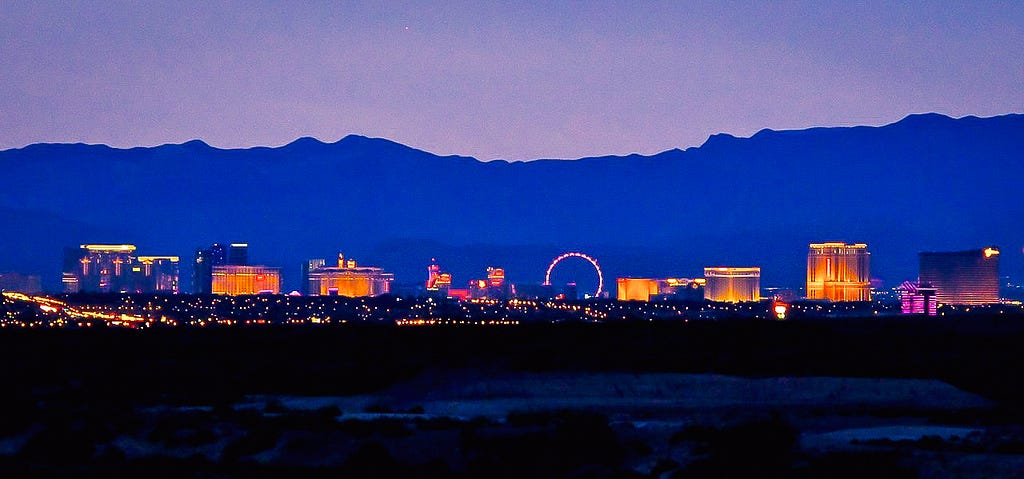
839	271
732	284
962	277
115	268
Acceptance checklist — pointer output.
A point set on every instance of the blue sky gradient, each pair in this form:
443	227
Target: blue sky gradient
494	79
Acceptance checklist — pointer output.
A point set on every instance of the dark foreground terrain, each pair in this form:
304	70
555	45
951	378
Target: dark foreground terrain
837	398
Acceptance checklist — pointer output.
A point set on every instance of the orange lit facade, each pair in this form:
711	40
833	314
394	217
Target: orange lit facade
962	277
648	289
494	287
444	281
348	279
731	284
839	271
635	289
240	280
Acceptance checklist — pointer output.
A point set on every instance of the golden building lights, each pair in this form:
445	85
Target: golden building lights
238	280
108	248
648	289
838	271
732	284
635	289
348	279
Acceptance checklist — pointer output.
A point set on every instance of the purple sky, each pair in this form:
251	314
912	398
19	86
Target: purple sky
494	80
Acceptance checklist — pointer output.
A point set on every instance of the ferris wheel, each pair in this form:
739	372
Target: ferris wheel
576	254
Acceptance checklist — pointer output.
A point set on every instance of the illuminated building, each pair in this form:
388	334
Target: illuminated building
438	280
233	280
731	284
682	289
28	284
648	289
917	298
635	289
784	295
494	287
307	268
202	272
433	273
202	268
495	277
238	254
349	279
962	277
838	271
98	268
478	289
444	282
158	274
114	268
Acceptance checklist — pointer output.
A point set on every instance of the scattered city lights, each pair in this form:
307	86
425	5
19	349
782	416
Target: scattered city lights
143	311
108	285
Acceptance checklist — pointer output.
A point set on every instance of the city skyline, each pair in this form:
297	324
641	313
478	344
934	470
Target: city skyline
645	216
672	238
836	272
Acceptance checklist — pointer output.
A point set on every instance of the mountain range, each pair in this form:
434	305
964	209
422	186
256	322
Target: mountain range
925	183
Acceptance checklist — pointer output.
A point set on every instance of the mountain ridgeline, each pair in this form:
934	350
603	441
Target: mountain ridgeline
927	182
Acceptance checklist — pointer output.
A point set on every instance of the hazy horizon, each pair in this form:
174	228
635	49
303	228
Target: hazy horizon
334	140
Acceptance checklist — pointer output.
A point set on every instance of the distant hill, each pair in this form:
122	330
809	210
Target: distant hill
927	182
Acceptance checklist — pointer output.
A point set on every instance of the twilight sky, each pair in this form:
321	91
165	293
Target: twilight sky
494	80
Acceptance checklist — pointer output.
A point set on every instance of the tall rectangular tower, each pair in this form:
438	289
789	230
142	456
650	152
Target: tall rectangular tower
238	254
202	272
99	268
157	274
839	271
962	277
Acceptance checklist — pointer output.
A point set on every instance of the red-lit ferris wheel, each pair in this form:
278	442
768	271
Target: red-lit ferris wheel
576	254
